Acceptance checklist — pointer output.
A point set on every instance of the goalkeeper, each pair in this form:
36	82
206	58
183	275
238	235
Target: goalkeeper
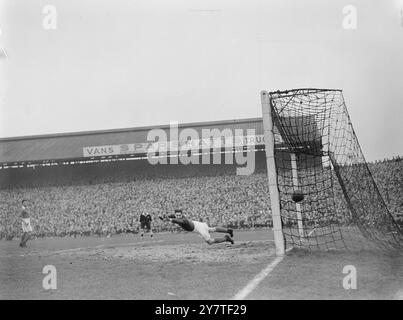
199	227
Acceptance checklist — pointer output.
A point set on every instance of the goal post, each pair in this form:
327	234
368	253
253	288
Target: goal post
271	173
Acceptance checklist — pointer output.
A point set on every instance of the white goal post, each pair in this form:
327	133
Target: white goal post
271	173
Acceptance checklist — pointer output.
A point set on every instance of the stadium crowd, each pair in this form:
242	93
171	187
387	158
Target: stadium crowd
114	207
105	207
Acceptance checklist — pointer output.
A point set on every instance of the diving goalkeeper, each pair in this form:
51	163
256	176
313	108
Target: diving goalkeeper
199	227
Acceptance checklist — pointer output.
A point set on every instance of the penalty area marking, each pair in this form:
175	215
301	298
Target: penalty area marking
129	244
243	293
38	253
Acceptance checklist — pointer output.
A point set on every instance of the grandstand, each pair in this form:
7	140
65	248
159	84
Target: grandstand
100	156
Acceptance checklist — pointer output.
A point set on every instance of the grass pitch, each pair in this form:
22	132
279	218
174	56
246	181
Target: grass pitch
181	266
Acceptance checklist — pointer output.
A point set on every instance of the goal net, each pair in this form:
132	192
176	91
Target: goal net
316	153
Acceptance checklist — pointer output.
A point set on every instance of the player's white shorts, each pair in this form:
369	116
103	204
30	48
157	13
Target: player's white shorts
203	230
26	225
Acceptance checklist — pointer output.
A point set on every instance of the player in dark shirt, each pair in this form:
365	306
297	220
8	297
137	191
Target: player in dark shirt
145	224
25	223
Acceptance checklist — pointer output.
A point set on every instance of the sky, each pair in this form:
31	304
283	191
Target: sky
110	64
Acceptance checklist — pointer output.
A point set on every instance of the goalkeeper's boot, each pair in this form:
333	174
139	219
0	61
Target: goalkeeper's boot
231	232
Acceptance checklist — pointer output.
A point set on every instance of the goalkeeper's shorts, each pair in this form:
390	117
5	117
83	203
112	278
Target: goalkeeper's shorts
203	230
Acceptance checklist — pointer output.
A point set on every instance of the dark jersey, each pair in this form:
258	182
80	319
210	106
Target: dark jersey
187	225
145	218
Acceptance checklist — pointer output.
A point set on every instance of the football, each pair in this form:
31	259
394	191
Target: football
297	196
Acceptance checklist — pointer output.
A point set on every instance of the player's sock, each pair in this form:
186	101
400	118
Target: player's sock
23	240
223	230
228	238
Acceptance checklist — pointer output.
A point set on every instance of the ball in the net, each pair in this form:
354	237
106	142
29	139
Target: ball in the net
297	196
